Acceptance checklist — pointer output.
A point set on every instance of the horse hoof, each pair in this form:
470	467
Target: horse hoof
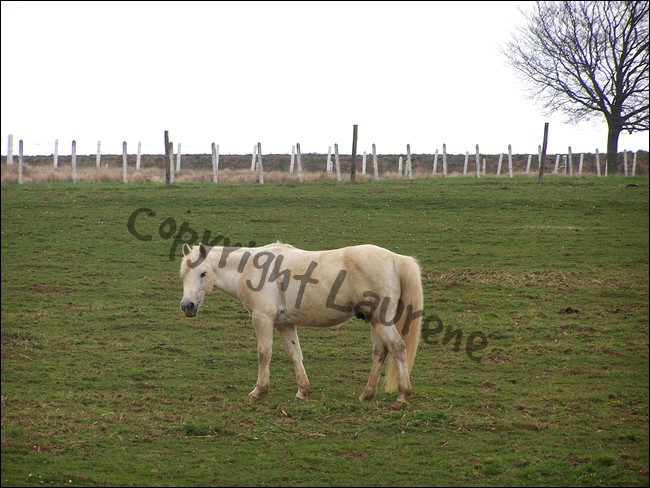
252	399
398	405
366	395
302	395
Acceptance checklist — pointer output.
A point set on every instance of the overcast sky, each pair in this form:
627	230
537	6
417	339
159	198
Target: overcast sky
238	73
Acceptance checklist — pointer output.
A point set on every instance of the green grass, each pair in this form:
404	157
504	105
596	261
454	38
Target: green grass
105	383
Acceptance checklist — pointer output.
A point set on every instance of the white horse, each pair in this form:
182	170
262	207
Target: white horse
284	287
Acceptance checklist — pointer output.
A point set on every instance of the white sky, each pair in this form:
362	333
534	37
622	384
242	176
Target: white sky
238	73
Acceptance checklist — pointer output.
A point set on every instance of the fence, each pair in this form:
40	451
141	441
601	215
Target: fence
297	165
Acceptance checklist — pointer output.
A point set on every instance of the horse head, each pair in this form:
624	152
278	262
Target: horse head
198	278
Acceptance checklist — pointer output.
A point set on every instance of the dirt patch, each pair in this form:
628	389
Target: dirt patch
51	289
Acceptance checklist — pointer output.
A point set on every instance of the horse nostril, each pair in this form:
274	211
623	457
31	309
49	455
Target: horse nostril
189	308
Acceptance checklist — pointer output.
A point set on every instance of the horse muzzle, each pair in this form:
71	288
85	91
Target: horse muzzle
189	308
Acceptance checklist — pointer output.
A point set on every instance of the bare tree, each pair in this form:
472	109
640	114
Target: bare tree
584	59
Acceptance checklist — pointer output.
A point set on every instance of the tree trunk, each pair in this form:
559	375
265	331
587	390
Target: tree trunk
614	130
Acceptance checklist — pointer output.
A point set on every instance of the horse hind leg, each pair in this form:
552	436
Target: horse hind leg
379	353
291	343
393	341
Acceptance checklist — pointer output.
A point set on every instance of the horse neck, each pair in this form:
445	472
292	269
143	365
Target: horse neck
225	263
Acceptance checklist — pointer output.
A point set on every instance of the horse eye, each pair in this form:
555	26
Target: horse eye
204	274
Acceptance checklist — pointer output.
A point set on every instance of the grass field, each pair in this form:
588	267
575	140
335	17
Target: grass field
539	375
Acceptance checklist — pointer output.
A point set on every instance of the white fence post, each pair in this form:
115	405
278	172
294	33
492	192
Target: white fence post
375	166
634	163
570	162
337	162
21	167
465	163
125	164
259	162
625	162
138	160
363	163
444	159
254	158
74	161
499	166
55	162
582	160
530	160
98	158
510	170
435	163
299	161
329	159
409	164
10	150
215	162
178	158
478	163
399	166
597	163
557	163
171	162
293	158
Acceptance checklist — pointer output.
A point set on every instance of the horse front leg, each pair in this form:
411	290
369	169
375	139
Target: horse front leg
264	332
292	346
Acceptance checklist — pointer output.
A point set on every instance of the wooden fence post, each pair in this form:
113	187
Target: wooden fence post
353	164
543	153
167	175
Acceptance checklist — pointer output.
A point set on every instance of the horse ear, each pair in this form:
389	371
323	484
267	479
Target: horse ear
186	249
203	250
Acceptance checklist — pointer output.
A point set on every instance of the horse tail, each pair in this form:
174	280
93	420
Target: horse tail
409	322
